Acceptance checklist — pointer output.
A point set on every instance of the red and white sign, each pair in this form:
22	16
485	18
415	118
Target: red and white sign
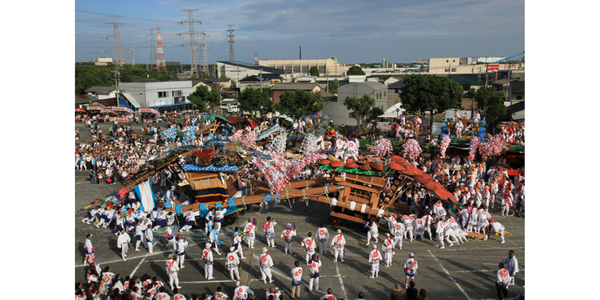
493	67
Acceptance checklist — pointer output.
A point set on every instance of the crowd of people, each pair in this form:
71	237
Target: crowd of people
476	186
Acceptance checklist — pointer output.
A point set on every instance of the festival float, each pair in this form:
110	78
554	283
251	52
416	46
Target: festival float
360	188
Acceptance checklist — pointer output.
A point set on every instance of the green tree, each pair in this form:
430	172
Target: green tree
298	103
363	110
491	103
253	100
472	93
333	86
314	71
433	94
355	70
199	98
213	99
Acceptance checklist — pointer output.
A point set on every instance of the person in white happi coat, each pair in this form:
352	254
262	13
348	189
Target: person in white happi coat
123	243
209	219
173	271
269	229
170	235
181	244
472	219
451	222
87	246
149	233
351	150
219	217
408	228
398	234
419	228
482	220
391	219
92	215
388	249
323	238
241	292
232	263
439	212
450	235
373	232
266	263
374	258
139	234
288	235
498	228
439	230
340	146
213	238
339	243
250	233
161	219
314	270
410	268
309	246
207	257
237	242
190	220
507	203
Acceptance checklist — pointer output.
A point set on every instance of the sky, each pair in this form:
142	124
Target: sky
353	31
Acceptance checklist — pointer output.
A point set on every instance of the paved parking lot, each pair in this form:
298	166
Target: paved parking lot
466	271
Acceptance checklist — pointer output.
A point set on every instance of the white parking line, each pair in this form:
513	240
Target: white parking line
448	273
337	271
136	268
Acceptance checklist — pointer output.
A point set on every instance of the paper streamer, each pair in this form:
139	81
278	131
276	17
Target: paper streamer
352	205
363	208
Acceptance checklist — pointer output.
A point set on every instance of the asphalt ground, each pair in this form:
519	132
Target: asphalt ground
466	271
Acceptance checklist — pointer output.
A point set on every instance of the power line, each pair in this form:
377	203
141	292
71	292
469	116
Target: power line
90	12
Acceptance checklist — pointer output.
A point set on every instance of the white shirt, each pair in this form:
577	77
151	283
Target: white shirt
322	234
207	254
172	266
123	239
296	276
338	240
232	260
266	261
250	229
309	244
374	256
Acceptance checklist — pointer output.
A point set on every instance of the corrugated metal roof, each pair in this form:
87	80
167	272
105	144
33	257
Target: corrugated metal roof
295	86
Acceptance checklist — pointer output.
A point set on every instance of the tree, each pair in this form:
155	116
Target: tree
213	99
333	86
491	103
314	71
253	100
355	70
298	103
363	110
199	98
472	93
433	94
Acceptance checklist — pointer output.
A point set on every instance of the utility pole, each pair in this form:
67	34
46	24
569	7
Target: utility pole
193	43
117	73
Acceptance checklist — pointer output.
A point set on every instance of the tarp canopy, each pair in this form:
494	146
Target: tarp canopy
149	111
79	110
121	109
391	112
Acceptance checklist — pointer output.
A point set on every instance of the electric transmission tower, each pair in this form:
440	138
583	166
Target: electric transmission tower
230	35
117	38
152	49
160	56
130	51
192	37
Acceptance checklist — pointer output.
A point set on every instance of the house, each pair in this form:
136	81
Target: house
257	81
102	92
340	115
83	101
279	88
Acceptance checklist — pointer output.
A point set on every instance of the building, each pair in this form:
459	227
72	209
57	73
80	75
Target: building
102	92
158	94
455	65
340	115
301	67
280	88
258	82
237	70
